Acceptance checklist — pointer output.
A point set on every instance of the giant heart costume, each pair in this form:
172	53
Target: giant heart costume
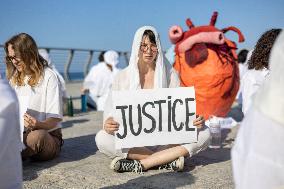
207	60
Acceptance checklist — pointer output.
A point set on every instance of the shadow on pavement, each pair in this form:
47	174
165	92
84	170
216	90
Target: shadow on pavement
74	149
71	123
161	180
209	156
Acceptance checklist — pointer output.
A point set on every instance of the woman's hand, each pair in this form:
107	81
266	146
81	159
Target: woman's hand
30	122
110	126
199	122
85	91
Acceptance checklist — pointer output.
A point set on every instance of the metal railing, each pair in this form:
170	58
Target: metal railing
70	61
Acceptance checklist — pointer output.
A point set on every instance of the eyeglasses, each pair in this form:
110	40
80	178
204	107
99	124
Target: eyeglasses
11	58
144	47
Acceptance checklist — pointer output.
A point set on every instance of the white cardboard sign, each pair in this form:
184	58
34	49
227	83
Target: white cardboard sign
150	117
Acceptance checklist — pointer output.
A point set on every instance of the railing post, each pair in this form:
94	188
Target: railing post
126	58
67	65
88	63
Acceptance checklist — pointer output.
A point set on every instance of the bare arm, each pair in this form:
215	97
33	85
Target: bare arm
199	122
33	124
110	126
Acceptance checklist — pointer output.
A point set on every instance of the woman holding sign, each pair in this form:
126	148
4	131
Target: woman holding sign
38	91
146	70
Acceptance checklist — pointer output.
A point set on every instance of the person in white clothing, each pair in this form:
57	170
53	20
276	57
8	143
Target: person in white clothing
258	69
146	70
38	91
243	68
258	155
112	57
242	60
45	55
99	80
170	54
10	140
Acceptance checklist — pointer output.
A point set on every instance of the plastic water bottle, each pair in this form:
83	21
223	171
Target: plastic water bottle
215	130
83	103
70	107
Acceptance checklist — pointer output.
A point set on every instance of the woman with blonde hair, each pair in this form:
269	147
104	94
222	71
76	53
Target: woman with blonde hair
38	91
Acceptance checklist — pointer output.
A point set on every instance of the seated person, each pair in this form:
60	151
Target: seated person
37	86
99	80
10	139
147	70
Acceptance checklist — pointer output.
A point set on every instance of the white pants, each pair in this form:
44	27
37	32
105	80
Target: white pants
106	145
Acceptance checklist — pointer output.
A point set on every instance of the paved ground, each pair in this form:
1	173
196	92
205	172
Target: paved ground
80	165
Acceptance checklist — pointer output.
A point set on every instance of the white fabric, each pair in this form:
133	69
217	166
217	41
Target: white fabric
162	68
46	56
243	68
112	57
44	99
10	144
273	89
99	81
251	82
106	144
128	79
258	155
170	54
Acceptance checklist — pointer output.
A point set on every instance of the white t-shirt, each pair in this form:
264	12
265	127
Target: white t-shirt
99	81
10	144
44	100
251	82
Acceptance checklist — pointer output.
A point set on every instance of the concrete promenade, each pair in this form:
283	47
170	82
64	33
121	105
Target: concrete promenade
81	165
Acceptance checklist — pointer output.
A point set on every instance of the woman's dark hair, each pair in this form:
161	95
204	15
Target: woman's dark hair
242	56
260	55
151	36
101	56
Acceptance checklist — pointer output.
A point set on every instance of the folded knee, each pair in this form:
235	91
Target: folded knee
101	138
36	136
204	138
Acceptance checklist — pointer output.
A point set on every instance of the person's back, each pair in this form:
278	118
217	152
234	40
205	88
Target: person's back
61	80
258	67
257	155
10	143
251	81
98	83
98	79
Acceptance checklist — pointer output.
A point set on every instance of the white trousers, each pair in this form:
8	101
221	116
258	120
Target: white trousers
106	145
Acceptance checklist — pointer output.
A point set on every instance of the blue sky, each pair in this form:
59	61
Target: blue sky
111	24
